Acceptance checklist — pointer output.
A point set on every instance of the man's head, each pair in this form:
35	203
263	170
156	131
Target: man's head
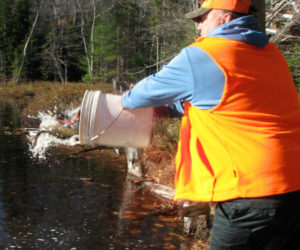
213	13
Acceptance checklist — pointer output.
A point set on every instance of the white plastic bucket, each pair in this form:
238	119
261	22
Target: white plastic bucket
103	121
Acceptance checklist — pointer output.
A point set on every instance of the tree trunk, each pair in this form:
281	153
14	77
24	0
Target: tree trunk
259	13
25	47
92	37
84	43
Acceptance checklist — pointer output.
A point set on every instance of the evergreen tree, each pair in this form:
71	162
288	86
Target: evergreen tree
14	21
21	24
105	52
6	54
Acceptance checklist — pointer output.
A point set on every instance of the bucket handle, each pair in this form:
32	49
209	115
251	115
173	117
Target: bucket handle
109	125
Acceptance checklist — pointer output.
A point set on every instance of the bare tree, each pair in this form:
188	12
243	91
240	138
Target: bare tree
91	41
16	80
85	42
281	17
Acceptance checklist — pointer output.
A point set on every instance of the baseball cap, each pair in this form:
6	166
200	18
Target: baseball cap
240	6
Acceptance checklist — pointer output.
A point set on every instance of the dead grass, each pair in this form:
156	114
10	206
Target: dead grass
159	157
16	90
51	96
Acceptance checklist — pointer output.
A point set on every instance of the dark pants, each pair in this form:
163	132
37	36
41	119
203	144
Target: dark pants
262	223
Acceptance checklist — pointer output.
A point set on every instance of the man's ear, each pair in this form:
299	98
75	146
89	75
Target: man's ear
227	17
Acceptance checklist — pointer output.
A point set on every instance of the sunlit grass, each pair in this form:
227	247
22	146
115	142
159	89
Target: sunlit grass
13	90
50	95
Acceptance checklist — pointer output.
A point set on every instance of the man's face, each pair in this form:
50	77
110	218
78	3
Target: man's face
209	21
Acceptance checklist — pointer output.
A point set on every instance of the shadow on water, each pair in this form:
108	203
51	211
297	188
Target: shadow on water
71	201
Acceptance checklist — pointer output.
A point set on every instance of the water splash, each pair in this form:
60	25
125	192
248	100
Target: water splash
50	119
41	139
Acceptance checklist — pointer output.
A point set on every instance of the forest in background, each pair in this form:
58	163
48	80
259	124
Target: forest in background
124	40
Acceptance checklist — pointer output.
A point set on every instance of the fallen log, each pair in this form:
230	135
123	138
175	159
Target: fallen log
182	208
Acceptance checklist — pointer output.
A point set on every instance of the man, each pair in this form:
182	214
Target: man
240	132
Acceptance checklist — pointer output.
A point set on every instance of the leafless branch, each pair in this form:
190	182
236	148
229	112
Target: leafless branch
26	45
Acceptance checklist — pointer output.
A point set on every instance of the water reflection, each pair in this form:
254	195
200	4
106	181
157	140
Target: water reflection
74	201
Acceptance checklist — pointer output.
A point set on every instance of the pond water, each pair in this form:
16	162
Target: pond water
74	199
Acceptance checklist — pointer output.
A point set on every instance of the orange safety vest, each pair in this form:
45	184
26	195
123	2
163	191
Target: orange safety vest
249	144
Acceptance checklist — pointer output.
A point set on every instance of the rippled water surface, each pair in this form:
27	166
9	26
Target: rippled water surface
74	199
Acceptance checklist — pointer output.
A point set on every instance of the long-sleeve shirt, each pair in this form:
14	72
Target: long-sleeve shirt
193	75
